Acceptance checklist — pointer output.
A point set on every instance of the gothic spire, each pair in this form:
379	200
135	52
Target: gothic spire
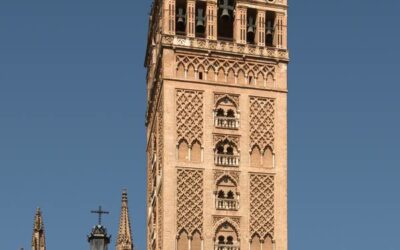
38	235
124	239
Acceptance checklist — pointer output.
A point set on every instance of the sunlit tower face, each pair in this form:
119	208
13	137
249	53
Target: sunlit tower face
216	125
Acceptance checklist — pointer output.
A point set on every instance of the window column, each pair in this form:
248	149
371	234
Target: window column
260	38
211	21
241	25
170	13
191	19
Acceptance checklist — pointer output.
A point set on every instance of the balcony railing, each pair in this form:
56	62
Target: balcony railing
227	160
227	204
226	122
226	247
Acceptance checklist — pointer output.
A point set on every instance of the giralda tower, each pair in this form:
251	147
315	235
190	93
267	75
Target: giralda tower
217	125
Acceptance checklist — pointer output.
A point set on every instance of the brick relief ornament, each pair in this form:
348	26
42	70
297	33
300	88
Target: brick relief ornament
259	70
189	115
262	221
190	201
218	138
218	174
218	97
160	219
160	134
262	119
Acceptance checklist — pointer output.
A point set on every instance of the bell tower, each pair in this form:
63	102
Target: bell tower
217	125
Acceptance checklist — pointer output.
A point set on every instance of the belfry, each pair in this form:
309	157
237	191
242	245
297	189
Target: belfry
217	125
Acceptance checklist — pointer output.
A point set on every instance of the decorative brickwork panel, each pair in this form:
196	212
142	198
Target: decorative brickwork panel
189	116
262	205
160	219
160	134
190	201
262	119
216	64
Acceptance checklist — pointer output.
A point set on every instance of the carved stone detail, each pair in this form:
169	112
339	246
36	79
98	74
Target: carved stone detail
227	65
262	119
220	96
190	201
262	220
189	115
235	175
231	138
217	218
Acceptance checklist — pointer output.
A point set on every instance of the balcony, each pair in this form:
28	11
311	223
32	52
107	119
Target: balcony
227	160
226	122
226	247
227	204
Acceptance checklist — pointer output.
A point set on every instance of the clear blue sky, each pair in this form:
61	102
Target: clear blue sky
72	135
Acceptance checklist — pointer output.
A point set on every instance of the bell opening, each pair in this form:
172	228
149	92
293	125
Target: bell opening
226	10
181	6
251	25
201	19
269	28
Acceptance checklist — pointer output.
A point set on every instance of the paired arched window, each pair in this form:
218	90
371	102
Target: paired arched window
183	241
226	154
226	237
226	114
227	197
189	153
257	244
262	159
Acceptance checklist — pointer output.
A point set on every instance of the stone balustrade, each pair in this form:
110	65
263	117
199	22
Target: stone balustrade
227	160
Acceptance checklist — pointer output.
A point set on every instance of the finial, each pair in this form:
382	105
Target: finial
100	212
124	194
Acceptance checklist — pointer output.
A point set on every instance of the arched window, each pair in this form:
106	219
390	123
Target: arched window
200	73
183	242
191	72
255	157
268	244
231	77
196	241
270	81
227	196
255	243
268	158
260	80
180	71
226	114
220	112
241	77
183	151
196	152
226	154
229	240
221	75
230	113
211	74
229	150
227	237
